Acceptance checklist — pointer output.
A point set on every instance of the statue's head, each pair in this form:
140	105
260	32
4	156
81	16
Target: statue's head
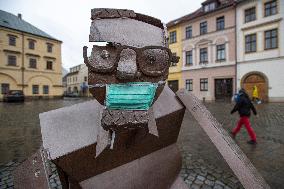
135	56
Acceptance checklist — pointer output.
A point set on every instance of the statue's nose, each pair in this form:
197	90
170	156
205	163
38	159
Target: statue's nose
127	68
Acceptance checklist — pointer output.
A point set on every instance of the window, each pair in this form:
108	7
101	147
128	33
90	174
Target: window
204	84
203	28
188	32
5	87
49	65
203	56
220	23
12	60
85	78
188	58
49	47
12	40
31	44
250	43
221	52
250	15
271	39
209	7
35	89
32	63
270	8
173	37
172	63
189	84
45	89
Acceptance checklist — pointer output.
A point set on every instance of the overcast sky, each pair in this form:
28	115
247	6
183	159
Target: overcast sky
69	20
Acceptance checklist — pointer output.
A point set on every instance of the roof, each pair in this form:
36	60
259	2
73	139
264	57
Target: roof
200	12
11	21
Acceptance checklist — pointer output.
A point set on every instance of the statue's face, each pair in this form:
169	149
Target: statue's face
135	52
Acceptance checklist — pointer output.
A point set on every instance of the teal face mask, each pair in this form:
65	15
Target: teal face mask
130	96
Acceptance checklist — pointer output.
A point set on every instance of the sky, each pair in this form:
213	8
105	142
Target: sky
69	20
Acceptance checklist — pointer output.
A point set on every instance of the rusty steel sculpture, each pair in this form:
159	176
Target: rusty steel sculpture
126	137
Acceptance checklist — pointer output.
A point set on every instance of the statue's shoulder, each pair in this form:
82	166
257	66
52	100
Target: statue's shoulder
166	103
70	128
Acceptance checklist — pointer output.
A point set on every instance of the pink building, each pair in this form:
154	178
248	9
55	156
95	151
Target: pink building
208	50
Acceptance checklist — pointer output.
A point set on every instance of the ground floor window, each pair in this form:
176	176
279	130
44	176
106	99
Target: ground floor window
5	87
49	65
45	89
35	89
204	84
189	84
173	84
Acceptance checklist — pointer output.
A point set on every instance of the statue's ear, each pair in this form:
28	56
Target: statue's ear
175	59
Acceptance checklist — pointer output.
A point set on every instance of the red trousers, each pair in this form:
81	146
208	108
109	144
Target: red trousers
245	121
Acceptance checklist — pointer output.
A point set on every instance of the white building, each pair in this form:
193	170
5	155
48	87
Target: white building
77	80
260	51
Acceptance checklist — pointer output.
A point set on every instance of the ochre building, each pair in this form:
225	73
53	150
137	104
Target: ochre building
30	59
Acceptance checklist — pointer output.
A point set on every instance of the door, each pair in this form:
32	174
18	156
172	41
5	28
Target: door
259	81
223	88
173	85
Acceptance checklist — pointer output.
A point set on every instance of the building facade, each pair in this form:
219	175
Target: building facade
260	51
175	43
208	58
30	59
77	81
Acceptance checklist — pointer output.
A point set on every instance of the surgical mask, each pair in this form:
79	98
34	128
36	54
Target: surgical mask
130	96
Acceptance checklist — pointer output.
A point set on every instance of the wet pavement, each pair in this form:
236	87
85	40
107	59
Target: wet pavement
203	166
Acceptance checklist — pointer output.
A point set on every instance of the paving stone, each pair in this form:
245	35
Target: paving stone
198	182
209	182
210	177
191	178
188	182
227	187
205	186
219	183
195	186
201	178
217	186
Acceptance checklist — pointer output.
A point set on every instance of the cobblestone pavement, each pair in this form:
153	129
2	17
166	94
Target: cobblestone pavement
267	156
203	166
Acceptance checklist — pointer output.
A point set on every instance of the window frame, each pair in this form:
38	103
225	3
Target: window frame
221	47
201	54
222	22
31	44
12	40
270	8
188	56
271	37
5	86
249	15
11	62
35	89
203	84
49	62
30	63
49	47
173	37
172	64
250	50
188	32
203	28
189	84
45	89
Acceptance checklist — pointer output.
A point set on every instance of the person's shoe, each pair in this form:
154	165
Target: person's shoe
251	142
233	135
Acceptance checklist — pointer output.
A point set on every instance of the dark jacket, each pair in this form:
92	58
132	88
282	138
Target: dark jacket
244	106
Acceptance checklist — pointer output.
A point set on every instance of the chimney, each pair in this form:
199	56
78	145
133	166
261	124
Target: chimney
20	16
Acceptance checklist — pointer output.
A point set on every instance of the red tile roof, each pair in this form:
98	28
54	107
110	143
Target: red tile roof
200	12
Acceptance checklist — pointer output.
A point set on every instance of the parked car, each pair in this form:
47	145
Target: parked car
72	95
14	96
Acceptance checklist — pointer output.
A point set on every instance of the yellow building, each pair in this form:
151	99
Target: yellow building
30	59
175	44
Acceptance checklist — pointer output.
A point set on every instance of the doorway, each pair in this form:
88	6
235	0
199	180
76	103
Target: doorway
223	88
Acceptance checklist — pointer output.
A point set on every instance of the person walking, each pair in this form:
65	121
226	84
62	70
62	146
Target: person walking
244	107
255	95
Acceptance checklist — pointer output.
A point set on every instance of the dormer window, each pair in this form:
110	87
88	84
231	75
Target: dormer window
209	7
